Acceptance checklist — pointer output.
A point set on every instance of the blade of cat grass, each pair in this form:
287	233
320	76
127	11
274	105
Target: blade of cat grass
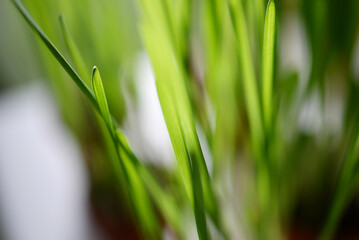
259	12
101	98
346	184
199	207
164	202
176	86
66	66
108	138
167	102
133	168
253	107
248	75
267	64
137	190
175	107
73	50
136	187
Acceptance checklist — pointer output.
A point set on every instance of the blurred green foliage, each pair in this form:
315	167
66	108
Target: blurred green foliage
279	161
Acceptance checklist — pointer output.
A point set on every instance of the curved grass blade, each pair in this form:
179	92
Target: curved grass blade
137	190
248	75
66	66
73	50
199	207
101	97
177	112
267	64
348	180
254	109
158	56
178	142
165	202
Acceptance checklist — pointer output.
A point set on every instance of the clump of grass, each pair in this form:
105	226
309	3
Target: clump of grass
165	28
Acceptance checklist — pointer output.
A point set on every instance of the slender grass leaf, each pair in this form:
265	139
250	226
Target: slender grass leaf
177	111
101	97
248	75
199	207
254	109
259	8
165	202
267	64
140	198
177	139
348	180
137	189
74	51
158	54
66	66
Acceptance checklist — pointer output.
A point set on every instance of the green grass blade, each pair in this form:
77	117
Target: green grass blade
268	65
159	51
101	97
165	202
348	180
259	12
74	51
248	75
137	189
66	66
177	139
177	112
199	207
255	117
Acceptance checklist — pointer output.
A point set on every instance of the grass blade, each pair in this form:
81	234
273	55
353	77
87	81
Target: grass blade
268	65
137	190
165	202
101	97
248	75
254	109
348	180
135	187
199	208
66	66
74	51
178	116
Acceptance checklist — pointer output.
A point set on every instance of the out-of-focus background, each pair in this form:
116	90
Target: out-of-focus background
55	178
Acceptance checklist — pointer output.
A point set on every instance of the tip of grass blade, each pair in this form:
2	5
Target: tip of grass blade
74	51
268	64
55	52
271	3
100	95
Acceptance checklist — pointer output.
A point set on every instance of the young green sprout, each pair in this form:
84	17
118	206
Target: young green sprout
268	65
